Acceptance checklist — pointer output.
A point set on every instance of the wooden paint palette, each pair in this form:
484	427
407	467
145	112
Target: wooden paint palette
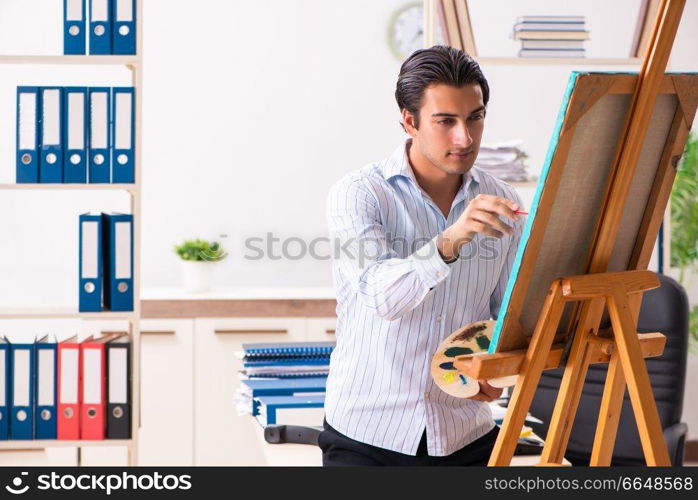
474	338
471	339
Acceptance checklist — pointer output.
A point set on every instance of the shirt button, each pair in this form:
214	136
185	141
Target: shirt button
426	395
438	318
439	274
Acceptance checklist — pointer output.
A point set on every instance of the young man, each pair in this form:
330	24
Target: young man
428	244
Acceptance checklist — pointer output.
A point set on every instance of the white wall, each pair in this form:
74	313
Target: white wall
274	101
251	111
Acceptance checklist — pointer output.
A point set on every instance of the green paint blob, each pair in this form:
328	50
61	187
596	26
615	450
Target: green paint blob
452	352
483	342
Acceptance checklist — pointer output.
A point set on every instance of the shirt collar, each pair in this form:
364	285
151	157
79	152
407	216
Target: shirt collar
399	164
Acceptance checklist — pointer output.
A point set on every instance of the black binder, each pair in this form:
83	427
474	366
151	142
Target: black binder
119	388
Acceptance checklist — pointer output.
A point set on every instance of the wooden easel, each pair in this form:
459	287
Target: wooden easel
620	293
624	352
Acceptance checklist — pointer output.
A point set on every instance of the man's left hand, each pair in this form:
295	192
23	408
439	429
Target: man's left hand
487	392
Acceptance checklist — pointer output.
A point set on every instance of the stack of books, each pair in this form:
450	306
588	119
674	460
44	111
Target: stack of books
551	36
286	359
283	401
283	383
505	161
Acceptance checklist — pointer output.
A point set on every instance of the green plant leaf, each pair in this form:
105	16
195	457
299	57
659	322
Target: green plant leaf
200	250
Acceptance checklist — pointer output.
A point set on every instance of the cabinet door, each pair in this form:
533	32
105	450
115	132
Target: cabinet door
167	392
48	457
319	329
221	436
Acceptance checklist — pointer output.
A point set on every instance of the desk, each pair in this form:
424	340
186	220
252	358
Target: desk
284	455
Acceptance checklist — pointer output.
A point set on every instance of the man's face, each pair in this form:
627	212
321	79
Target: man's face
451	121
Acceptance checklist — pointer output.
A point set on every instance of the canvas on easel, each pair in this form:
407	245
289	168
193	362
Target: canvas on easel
569	201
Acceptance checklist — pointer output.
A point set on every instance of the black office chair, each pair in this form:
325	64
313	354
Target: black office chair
665	310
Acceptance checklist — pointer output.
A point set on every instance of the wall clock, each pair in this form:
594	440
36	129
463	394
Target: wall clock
406	30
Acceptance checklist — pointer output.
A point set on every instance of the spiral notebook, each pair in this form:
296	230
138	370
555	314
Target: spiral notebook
288	349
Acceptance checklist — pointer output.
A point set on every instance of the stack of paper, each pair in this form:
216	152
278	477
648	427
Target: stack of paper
251	389
504	161
551	36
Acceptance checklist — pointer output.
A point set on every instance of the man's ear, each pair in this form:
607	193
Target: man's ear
408	123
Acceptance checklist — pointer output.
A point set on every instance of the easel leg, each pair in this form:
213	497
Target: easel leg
530	373
571	386
609	414
612	401
639	387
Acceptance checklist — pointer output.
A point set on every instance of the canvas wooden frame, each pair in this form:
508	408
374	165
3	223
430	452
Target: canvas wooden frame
533	269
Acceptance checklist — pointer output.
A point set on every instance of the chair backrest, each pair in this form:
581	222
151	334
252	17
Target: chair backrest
664	310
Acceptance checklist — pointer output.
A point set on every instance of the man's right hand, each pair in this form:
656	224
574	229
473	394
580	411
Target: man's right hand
480	216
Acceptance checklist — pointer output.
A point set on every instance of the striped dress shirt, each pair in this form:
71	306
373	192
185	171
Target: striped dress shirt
397	300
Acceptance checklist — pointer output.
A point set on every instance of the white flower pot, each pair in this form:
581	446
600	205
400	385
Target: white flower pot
197	276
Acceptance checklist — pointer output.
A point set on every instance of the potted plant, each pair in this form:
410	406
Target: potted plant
684	261
684	227
197	257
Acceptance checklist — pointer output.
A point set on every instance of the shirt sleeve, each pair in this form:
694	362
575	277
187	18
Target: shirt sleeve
498	294
389	285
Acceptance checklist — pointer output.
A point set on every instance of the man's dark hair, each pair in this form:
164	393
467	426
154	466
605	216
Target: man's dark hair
437	64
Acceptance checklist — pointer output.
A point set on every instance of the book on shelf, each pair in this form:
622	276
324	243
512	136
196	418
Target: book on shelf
528	26
562	53
550	19
550	35
552	44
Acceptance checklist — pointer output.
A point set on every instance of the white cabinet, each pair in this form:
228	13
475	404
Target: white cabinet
41	457
167	392
320	329
221	437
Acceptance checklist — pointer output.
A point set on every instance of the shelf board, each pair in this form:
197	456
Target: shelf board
75	60
559	61
69	187
62	313
34	444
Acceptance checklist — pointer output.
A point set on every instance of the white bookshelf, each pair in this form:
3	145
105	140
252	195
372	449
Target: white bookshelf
134	64
63	313
74	60
69	187
40	444
467	38
632	62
